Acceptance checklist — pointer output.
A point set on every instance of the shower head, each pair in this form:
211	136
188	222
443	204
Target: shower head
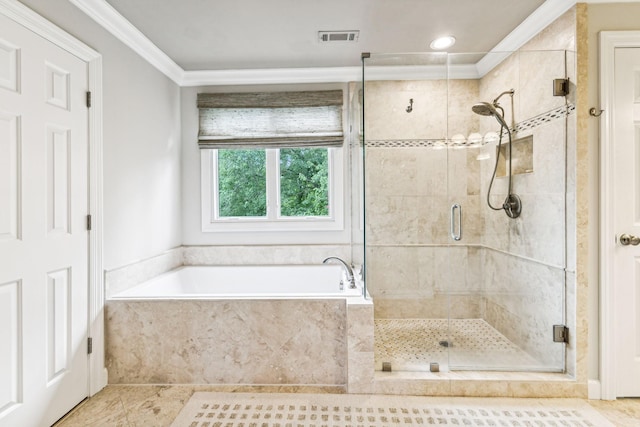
486	109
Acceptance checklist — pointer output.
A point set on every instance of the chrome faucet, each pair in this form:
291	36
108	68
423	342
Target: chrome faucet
348	270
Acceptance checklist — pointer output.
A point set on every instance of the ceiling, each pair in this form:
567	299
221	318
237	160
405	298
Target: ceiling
196	36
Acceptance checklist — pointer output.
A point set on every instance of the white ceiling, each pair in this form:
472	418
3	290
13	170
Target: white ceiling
187	38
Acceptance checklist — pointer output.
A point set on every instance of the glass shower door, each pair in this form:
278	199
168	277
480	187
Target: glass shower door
507	261
405	128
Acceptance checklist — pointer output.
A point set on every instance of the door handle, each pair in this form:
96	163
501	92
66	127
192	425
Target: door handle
456	236
628	239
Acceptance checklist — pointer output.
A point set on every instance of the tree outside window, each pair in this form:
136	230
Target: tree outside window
301	180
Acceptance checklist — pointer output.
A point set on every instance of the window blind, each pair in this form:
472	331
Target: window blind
270	119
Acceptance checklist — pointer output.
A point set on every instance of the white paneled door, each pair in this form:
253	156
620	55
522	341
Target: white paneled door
626	200
43	232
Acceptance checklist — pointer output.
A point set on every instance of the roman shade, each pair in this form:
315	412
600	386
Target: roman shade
270	119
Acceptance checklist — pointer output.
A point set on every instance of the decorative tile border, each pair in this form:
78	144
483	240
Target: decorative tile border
524	126
558	113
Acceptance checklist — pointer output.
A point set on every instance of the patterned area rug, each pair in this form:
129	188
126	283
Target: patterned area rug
207	409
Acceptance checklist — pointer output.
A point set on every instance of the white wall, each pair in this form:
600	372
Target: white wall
142	158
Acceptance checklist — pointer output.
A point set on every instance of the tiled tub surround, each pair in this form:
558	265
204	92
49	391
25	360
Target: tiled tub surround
261	342
239	340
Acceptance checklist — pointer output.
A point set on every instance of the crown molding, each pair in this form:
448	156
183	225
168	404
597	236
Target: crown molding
541	18
271	76
26	17
325	75
109	18
106	16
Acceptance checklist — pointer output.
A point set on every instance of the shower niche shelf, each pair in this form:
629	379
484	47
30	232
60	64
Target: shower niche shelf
521	158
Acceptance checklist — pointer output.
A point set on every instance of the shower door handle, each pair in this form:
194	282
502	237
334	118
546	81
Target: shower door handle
456	236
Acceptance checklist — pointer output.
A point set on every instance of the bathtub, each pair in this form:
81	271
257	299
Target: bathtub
246	282
240	326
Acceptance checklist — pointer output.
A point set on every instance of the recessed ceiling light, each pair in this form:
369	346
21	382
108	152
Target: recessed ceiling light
443	43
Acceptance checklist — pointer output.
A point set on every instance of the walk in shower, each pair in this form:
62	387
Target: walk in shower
464	277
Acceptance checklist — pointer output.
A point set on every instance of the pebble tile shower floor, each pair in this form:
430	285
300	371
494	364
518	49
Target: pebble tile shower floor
412	344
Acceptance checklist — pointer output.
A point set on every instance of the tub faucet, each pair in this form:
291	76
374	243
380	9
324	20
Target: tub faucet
348	269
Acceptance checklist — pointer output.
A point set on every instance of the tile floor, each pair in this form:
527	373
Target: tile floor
128	406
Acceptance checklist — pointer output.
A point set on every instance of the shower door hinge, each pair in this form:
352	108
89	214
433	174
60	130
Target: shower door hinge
88	99
89	222
560	87
89	345
560	333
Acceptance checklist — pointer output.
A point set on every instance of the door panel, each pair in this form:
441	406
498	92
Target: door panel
43	236
9	176
626	123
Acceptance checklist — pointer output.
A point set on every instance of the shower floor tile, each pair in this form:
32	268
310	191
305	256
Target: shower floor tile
412	344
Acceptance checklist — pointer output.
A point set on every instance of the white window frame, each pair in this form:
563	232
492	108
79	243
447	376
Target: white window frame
211	222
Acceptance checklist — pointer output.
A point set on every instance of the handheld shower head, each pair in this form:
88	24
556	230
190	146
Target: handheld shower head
512	204
486	109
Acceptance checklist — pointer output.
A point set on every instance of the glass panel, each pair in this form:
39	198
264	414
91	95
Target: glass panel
357	177
304	182
242	183
406	230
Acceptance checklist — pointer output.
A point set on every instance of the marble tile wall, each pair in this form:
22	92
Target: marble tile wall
263	254
385	104
360	346
539	232
524	299
408	200
228	342
538	246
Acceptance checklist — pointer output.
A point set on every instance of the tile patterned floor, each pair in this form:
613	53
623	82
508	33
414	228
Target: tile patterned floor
412	344
129	406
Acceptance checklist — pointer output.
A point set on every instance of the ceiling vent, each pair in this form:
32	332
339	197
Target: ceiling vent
338	36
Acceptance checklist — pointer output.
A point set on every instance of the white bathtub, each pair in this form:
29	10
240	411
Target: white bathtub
246	282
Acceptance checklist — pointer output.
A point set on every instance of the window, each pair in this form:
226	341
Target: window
272	189
272	161
241	176
304	182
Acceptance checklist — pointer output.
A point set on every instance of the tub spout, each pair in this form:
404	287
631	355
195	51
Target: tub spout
348	270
